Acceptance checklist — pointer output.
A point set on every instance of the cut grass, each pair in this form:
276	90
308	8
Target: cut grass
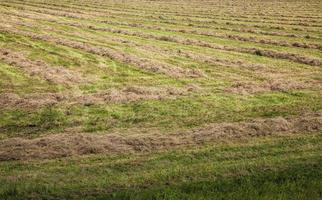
13	80
106	47
166	115
273	167
28	123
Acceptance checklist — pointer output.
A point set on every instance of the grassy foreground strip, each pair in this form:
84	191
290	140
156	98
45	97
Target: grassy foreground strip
272	167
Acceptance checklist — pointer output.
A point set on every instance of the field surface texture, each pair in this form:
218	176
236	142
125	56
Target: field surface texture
162	99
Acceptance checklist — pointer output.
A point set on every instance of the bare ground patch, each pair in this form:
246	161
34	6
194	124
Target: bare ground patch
63	145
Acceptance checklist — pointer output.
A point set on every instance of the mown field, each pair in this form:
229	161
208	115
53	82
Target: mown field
160	99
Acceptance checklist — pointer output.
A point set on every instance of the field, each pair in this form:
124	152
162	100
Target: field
160	99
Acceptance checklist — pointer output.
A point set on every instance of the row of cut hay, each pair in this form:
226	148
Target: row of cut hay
138	9
114	95
142	63
57	74
63	145
256	51
190	24
79	10
172	21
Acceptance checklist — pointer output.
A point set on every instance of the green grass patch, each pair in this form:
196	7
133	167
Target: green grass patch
18	122
13	80
193	110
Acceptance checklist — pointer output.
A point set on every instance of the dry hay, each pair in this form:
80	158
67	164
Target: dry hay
164	68
259	69
142	63
133	93
123	95
276	79
39	68
30	101
260	52
63	145
280	85
236	37
223	36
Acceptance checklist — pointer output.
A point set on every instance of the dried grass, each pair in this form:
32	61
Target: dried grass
63	145
59	75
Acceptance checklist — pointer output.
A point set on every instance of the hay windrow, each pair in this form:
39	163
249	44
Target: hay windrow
143	63
69	9
260	52
213	34
156	49
133	94
163	68
209	33
111	96
71	13
275	79
39	68
30	101
200	57
63	145
278	85
237	30
197	73
74	7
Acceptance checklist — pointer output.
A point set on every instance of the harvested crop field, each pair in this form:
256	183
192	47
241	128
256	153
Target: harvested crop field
160	99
